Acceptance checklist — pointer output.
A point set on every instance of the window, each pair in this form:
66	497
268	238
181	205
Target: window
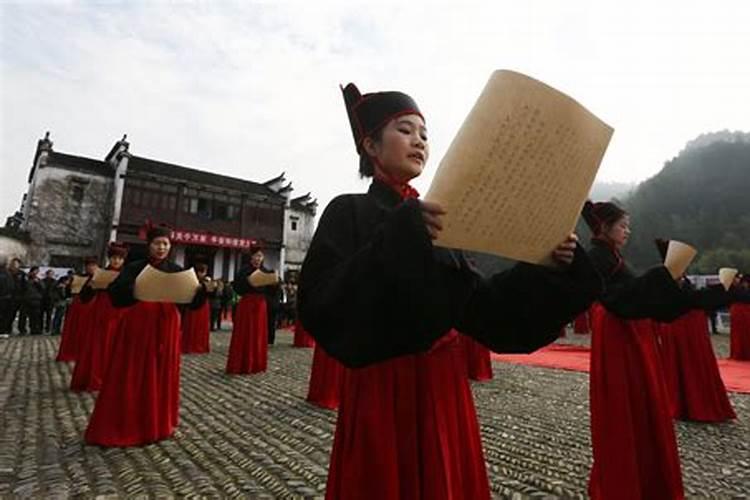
204	208
294	224
77	190
224	211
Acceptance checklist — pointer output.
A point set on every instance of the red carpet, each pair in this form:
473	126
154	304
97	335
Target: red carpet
735	374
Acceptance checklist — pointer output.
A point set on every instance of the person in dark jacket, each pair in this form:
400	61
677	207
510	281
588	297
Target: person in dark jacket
15	287
7	286
33	295
49	283
59	300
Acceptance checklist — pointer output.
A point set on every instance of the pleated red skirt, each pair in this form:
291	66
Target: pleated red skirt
248	349
692	376
196	326
68	346
326	377
301	337
478	362
632	435
739	342
407	429
139	399
582	324
96	330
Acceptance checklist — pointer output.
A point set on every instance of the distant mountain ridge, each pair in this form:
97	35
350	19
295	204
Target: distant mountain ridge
702	197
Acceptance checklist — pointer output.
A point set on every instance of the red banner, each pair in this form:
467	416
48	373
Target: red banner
196	238
211	240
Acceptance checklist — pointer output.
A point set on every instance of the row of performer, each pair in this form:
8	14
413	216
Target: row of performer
383	301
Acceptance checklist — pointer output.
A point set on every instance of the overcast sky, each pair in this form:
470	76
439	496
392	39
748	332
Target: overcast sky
251	89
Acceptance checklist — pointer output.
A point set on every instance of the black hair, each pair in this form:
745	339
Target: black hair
366	166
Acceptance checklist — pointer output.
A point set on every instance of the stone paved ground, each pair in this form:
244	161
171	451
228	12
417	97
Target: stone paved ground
255	437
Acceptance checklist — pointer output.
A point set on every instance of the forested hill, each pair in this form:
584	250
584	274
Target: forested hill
701	197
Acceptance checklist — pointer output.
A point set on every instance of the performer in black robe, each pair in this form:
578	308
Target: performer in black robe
379	297
633	441
139	399
248	348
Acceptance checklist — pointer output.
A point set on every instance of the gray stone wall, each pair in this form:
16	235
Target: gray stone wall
298	240
69	214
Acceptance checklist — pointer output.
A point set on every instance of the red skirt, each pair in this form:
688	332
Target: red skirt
582	324
140	397
739	317
694	383
632	435
301	337
196	326
68	346
248	349
407	429
325	380
478	360
96	330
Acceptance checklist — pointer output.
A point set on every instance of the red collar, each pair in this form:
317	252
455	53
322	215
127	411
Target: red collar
154	261
402	188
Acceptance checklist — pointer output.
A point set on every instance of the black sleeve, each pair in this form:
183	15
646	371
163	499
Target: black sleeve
87	293
739	295
524	308
240	284
710	298
121	290
654	294
200	298
360	301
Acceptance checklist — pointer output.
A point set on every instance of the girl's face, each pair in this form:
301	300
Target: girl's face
159	247
619	232
256	259
403	150
116	261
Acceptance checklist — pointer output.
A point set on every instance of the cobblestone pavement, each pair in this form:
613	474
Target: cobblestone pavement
256	437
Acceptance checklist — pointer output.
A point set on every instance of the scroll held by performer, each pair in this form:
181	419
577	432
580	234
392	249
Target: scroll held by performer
77	284
153	285
102	278
260	278
516	175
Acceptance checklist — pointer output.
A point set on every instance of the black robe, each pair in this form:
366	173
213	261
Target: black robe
373	287
242	286
122	289
654	294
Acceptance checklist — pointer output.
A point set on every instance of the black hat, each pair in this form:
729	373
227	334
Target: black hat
157	232
370	112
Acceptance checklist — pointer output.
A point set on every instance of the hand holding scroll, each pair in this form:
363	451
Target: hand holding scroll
565	251
431	213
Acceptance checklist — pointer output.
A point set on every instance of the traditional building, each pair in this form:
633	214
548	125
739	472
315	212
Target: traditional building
67	210
299	229
76	205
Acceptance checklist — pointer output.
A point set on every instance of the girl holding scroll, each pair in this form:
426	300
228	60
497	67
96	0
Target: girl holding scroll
95	341
248	348
691	372
76	317
633	441
139	400
378	297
